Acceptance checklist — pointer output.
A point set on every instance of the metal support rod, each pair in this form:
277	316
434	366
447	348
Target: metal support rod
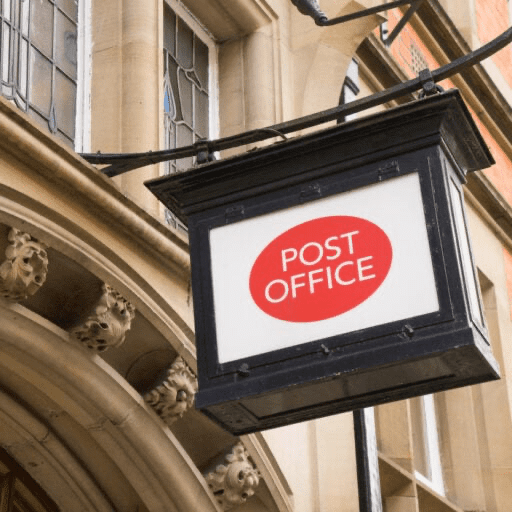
401	24
367	461
121	163
361	14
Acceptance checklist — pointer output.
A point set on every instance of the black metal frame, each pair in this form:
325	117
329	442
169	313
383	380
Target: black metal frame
282	176
120	163
201	225
367	465
312	8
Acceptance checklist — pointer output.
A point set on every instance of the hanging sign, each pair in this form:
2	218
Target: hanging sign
323	268
334	272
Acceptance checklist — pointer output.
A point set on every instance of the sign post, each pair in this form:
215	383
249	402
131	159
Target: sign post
367	460
333	272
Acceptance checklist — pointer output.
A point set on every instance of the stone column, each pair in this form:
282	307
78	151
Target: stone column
126	83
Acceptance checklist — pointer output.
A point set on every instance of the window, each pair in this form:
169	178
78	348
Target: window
427	459
38	61
350	88
18	492
189	55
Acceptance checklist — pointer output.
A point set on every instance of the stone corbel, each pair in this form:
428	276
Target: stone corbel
108	323
235	480
24	271
175	395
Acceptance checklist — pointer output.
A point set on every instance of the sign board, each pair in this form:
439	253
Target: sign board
329	277
323	268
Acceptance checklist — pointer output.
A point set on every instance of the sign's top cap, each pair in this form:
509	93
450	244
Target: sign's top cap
441	119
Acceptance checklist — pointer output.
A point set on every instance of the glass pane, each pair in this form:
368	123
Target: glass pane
170	133
66	45
201	114
65	97
201	63
70	7
42	26
185	45
169	30
173	79
185	93
169	103
6	5
25	17
184	138
6	33
38	118
41	77
65	139
7	91
22	71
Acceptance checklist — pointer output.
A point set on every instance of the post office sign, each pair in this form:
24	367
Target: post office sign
334	271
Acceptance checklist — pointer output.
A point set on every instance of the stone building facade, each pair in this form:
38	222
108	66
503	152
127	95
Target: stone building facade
97	355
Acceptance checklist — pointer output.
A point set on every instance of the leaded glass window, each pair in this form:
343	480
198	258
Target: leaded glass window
186	90
38	61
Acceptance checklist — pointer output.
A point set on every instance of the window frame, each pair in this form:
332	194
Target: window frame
213	74
202	33
84	72
22	82
431	446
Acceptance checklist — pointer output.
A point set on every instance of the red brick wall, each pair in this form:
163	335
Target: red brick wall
501	173
402	49
493	19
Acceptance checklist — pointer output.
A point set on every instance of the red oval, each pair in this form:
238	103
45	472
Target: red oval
320	269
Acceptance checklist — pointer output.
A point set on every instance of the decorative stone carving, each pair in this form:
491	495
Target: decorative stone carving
109	322
236	480
25	268
173	397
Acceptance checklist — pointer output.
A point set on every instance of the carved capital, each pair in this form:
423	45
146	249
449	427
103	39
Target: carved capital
236	480
109	322
175	395
25	268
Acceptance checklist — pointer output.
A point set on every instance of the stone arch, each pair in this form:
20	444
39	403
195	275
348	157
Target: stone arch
71	421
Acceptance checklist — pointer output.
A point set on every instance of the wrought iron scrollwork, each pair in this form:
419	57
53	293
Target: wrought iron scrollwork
120	163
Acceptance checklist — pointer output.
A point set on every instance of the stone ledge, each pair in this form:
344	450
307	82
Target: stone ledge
61	166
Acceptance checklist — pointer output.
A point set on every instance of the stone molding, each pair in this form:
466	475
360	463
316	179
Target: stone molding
175	395
108	323
24	271
52	161
235	480
231	19
115	430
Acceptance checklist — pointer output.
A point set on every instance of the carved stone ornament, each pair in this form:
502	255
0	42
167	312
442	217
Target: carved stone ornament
109	322
173	397
25	268
236	480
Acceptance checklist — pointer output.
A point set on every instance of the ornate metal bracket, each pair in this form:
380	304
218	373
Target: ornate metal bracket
312	8
120	163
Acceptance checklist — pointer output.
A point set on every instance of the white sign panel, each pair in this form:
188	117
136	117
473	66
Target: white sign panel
328	267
